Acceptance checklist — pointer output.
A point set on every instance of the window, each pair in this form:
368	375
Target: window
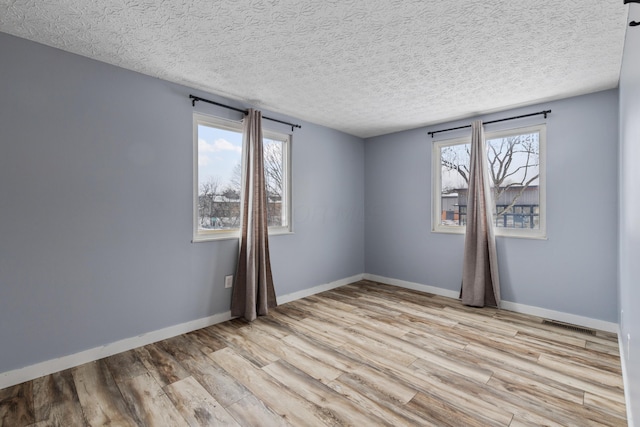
218	156
516	174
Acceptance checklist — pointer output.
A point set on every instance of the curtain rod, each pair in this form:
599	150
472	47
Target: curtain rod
245	112
545	112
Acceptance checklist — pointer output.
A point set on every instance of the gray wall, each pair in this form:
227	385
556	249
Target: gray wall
96	207
573	271
630	214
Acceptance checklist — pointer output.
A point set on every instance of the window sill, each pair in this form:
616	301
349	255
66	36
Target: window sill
235	235
499	233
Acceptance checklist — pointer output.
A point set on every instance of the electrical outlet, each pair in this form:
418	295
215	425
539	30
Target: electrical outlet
228	281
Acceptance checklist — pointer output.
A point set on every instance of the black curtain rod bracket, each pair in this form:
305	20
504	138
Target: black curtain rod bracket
539	113
245	112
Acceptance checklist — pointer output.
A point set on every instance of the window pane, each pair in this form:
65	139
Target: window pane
275	173
514	168
454	182
219	178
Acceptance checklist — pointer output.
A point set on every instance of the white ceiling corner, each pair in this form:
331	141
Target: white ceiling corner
366	67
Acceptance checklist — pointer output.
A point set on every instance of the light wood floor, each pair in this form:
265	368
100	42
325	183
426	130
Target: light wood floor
365	355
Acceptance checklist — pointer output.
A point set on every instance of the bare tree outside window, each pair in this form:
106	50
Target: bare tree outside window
274	177
208	193
514	168
273	168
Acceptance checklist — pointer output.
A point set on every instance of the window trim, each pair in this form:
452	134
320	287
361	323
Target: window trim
232	125
436	188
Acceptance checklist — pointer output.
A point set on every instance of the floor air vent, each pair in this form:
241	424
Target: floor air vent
569	326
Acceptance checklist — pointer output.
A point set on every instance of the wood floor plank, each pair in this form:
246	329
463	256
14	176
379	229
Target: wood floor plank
312	366
383	383
320	351
206	341
615	409
388	325
526	325
444	414
375	307
420	352
56	400
197	406
548	373
497	341
148	402
376	401
414	311
298	327
532	386
528	379
182	347
577	340
16	405
99	396
163	366
434	384
335	303
604	349
270	326
483	399
519	422
290	406
222	386
251	411
568	413
482	323
292	312
357	338
237	339
344	411
326	311
124	366
581	370
586	356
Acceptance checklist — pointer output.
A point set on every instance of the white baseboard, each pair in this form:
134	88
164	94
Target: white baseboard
507	305
17	376
317	289
560	316
411	285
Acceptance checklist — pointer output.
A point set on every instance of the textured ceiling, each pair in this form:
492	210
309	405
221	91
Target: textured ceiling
366	67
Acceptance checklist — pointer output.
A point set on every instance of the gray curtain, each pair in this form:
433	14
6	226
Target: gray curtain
480	281
253	291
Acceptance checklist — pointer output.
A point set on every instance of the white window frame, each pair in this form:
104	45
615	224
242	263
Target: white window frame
436	179
200	235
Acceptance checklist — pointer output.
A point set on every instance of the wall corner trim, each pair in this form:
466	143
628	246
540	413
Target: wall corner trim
625	381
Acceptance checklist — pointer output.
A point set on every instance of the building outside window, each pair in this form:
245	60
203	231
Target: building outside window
516	168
